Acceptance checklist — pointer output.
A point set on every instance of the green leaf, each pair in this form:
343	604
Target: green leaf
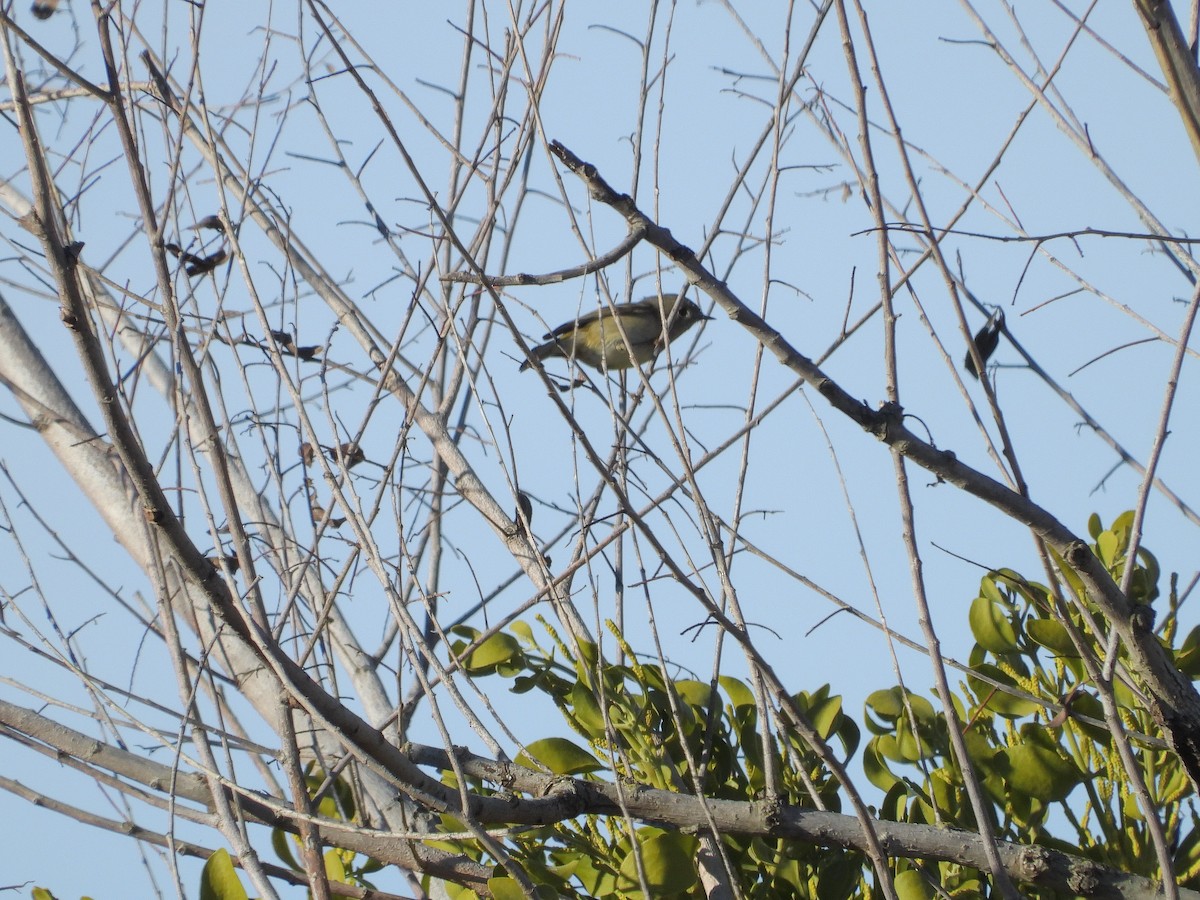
1187	856
696	694
1124	695
888	704
219	879
1035	595
911	885
499	648
668	862
944	784
587	871
989	587
586	711
888	748
738	692
560	756
876	768
1036	767
894	803
991	626
922	709
505	888
996	700
891	722
40	893
1187	657
980	748
1122	525
371	865
1144	587
280	841
1074	582
523	632
849	734
337	802
1051	635
839	877
911	746
1108	548
335	866
1084	704
826	716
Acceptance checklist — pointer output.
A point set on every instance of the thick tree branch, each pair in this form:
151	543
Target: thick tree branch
552	799
64	742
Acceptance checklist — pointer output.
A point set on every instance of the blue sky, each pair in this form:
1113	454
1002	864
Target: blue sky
956	102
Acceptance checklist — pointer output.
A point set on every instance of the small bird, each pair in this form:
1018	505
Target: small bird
986	339
595	338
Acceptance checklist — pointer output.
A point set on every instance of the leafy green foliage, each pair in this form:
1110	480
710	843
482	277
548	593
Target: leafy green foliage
1031	717
676	734
1029	711
1035	730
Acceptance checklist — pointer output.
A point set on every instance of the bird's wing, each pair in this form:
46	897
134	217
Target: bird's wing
586	318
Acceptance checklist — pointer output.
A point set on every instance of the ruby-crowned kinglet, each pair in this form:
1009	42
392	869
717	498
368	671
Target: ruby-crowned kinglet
595	338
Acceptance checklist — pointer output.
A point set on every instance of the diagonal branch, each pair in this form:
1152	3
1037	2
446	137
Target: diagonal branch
1177	62
1173	700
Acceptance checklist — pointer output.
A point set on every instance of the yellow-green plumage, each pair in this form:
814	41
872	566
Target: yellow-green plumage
595	338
